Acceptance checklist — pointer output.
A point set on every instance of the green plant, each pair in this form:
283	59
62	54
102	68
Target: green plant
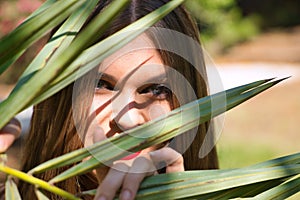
221	23
13	12
51	71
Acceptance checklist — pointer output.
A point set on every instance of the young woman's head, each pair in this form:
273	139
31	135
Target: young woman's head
153	74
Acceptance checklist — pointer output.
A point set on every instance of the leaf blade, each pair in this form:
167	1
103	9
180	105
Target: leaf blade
32	29
174	125
21	99
59	41
11	190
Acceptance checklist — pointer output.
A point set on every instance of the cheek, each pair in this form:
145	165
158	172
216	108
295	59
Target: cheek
101	110
100	102
94	134
158	109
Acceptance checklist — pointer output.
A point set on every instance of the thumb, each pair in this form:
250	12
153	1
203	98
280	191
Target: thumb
9	133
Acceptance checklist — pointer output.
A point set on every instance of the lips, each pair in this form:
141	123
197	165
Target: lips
131	156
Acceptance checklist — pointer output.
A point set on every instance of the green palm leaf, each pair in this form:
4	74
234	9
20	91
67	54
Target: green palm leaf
59	42
35	181
175	123
283	190
216	182
32	91
36	26
21	98
40	195
11	190
78	155
225	184
66	56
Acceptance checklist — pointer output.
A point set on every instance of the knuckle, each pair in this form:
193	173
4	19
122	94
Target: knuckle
180	159
120	167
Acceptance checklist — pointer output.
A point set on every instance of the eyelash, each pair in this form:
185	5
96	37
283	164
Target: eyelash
102	84
159	91
156	91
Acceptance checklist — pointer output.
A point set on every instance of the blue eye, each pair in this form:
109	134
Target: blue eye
157	91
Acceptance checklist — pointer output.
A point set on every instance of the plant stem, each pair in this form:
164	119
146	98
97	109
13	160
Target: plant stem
37	182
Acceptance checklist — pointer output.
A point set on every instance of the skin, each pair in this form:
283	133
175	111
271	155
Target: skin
125	98
9	133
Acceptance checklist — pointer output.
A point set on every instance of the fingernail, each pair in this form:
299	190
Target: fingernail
101	198
126	195
2	145
155	153
98	134
152	153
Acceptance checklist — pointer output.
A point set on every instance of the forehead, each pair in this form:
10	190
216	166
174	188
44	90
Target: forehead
138	59
141	45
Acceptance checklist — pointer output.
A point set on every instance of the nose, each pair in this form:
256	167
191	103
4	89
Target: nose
130	117
127	113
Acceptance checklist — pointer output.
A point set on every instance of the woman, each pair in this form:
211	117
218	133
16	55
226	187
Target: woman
133	86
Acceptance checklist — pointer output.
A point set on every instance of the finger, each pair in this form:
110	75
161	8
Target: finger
112	182
9	133
98	134
173	159
141	167
12	127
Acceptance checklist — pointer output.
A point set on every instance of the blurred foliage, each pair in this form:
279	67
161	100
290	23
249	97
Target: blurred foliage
222	23
13	12
282	13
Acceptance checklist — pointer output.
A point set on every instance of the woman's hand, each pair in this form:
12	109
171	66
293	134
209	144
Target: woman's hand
9	133
128	175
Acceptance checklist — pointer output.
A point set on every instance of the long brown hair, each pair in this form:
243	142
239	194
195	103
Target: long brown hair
53	131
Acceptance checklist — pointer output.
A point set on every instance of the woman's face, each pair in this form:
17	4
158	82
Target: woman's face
132	88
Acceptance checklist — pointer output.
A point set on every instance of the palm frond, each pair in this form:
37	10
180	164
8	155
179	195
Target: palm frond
176	122
51	14
69	55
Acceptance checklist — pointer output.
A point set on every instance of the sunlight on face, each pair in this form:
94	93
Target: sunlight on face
132	89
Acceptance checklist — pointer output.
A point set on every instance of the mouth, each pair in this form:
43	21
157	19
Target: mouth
131	156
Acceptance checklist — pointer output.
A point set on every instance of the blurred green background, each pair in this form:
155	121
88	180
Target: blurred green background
234	32
262	35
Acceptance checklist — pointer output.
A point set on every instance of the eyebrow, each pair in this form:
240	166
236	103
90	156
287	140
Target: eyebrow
159	78
107	76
